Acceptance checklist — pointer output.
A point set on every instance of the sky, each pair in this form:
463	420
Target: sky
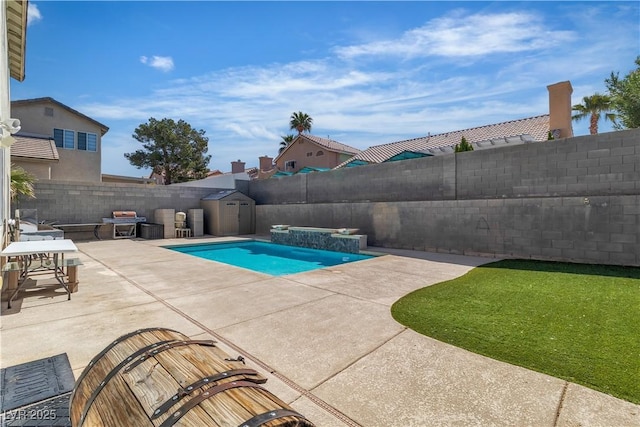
368	73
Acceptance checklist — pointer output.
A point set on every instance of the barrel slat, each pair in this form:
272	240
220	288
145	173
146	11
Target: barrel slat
98	372
198	417
207	362
109	404
227	411
151	384
256	400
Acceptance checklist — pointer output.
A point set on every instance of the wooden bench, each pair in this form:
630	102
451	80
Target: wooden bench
82	229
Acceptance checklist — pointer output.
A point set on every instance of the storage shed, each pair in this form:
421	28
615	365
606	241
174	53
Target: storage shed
229	213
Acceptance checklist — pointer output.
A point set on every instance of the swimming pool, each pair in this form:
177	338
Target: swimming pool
269	258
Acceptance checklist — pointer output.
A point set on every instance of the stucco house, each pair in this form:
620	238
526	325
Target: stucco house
312	151
57	142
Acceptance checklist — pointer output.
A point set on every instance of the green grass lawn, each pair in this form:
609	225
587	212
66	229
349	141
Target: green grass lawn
577	322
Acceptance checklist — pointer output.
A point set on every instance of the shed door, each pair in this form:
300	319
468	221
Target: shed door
230	223
245	217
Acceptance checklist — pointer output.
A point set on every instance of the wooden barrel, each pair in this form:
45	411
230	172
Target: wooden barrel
159	377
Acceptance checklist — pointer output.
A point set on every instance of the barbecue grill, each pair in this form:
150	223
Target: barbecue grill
124	223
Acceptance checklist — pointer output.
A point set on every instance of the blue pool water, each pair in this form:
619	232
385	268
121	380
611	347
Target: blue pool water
269	258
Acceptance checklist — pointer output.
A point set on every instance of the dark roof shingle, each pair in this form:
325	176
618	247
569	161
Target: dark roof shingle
34	148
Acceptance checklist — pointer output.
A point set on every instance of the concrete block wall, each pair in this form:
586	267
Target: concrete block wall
574	199
430	178
70	202
601	164
600	229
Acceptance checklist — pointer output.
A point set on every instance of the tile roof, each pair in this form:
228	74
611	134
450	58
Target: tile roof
328	144
332	145
34	148
536	127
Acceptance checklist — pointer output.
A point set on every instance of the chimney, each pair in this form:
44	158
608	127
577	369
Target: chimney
560	109
266	163
237	166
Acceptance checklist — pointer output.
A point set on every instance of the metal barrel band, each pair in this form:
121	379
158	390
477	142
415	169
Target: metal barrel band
109	348
141	358
191	388
175	417
116	342
275	414
111	374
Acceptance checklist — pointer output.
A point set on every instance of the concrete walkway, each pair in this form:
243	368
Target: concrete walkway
325	339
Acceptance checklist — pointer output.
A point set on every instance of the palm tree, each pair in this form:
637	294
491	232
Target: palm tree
301	122
286	140
21	183
593	106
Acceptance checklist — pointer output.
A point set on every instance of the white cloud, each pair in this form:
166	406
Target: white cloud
458	35
245	110
163	63
33	14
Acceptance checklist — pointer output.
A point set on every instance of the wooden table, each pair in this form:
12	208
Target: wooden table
26	251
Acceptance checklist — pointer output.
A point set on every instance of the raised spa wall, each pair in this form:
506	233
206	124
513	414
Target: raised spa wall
328	239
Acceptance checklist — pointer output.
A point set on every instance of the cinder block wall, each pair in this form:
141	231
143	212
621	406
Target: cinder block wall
601	230
573	199
67	202
588	165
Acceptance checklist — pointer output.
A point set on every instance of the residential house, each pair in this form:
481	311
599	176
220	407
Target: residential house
312	151
13	42
522	131
76	137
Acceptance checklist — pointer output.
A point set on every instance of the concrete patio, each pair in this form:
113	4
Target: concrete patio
325	339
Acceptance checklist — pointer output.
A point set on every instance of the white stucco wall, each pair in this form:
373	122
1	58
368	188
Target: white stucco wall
5	113
218	181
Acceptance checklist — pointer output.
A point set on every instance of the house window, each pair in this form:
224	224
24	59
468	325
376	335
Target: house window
310	153
82	141
290	164
320	153
58	136
69	139
92	142
64	138
87	141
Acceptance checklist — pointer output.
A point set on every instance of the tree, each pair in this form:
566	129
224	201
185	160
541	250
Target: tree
463	146
21	183
593	107
173	148
625	97
286	140
301	122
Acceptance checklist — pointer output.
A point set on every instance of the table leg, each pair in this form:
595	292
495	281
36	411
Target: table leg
96	231
25	260
59	278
